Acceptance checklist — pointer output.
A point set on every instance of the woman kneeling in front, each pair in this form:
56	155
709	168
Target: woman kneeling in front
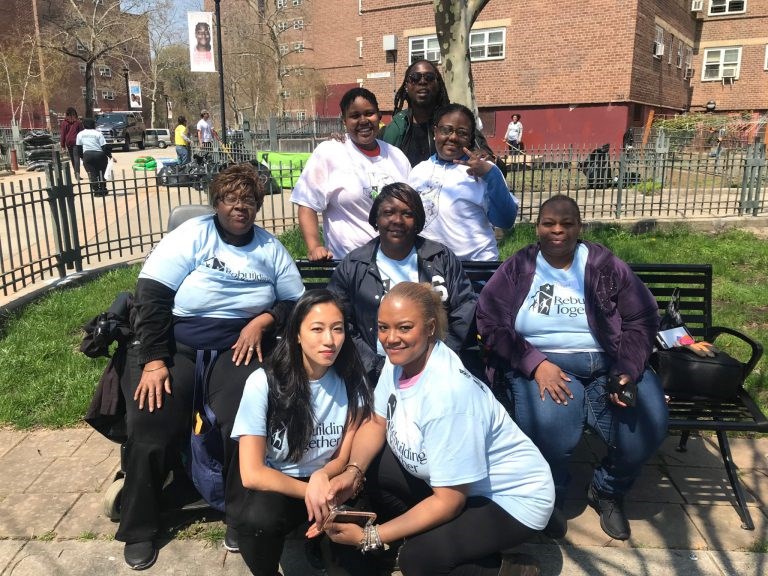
295	426
456	477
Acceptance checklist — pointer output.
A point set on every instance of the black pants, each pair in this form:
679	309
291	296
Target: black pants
468	545
262	520
95	163
74	157
156	439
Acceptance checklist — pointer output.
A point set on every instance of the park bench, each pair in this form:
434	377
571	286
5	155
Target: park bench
686	414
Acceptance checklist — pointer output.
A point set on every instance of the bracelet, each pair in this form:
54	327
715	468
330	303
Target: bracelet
359	478
371	540
154	369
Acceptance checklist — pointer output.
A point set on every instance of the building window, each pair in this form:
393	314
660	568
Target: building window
108	94
423	48
688	57
296	2
658	44
359	47
671	48
285	94
282	26
302	93
721	63
82	67
487	44
105	71
298	46
299	71
82	90
718	7
286	115
765	63
301	115
281	4
283	49
80	47
679	57
298	24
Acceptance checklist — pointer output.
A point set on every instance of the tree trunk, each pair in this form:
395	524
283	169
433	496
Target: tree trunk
89	89
453	22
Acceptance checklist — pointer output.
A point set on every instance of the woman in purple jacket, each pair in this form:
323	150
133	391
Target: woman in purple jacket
68	136
574	327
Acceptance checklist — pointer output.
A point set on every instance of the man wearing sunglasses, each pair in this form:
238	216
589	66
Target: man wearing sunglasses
423	89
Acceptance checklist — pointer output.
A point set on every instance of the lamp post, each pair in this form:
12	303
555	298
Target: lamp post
166	110
221	72
126	70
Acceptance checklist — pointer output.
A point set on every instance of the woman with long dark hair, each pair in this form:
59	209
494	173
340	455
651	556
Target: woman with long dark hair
295	425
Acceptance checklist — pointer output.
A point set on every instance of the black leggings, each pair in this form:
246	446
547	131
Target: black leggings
262	520
468	545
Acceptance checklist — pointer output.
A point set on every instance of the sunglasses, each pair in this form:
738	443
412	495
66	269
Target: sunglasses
416	77
448	130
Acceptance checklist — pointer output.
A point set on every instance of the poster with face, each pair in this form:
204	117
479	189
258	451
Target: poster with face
200	42
135	90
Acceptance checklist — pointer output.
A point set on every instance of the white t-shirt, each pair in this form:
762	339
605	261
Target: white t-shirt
553	317
329	402
205	129
448	429
217	280
514	132
91	140
456	207
341	182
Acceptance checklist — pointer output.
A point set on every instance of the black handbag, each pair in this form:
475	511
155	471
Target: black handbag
685	373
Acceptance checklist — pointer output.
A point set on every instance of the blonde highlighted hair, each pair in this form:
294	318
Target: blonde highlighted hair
428	301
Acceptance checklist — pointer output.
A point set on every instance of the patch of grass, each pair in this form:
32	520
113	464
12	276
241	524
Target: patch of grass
647	187
46	536
88	535
759	547
44	379
213	535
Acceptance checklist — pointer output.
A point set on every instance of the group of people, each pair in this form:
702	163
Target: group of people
84	143
365	400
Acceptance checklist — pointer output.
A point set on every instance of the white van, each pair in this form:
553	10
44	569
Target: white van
158	137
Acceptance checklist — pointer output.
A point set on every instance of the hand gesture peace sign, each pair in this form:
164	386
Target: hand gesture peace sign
476	163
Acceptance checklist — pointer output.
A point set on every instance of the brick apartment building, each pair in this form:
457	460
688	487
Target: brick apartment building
577	72
109	79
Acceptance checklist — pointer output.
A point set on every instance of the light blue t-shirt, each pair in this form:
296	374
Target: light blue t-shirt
553	317
393	272
329	402
91	140
214	279
448	430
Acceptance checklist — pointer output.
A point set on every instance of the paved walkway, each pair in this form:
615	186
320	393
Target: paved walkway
52	484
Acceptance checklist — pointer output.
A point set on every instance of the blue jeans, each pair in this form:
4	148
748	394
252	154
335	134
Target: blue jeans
183	153
631	434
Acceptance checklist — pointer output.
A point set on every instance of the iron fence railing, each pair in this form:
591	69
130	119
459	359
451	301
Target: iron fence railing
51	226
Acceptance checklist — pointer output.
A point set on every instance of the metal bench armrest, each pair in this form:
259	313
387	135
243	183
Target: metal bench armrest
757	348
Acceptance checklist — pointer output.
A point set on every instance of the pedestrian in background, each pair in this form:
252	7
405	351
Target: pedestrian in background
93	149
68	131
514	135
205	131
181	140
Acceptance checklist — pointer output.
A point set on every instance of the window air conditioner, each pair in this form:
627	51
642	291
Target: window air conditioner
688	73
729	73
697	5
658	50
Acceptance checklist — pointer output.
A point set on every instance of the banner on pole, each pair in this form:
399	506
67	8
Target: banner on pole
134	88
200	42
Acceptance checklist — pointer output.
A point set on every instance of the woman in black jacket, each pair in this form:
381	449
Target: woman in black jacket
399	254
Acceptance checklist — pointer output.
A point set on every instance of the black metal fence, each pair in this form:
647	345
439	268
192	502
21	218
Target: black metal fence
52	226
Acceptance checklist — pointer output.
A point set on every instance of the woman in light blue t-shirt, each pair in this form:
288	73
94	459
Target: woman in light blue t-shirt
295	425
447	469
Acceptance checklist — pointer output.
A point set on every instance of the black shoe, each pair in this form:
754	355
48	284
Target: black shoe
140	555
230	541
557	527
611	511
518	565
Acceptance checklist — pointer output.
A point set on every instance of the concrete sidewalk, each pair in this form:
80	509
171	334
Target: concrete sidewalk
684	522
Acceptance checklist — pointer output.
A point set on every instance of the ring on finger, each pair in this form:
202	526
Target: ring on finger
250	348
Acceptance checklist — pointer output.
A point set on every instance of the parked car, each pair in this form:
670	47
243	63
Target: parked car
122	129
160	137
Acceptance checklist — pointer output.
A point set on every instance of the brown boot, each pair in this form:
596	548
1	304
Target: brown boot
518	565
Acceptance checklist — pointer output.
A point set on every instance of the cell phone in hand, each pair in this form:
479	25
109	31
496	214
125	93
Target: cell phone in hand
626	394
349	517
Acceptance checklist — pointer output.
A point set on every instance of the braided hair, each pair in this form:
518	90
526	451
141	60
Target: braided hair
401	96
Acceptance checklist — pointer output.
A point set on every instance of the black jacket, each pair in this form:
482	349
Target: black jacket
357	280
